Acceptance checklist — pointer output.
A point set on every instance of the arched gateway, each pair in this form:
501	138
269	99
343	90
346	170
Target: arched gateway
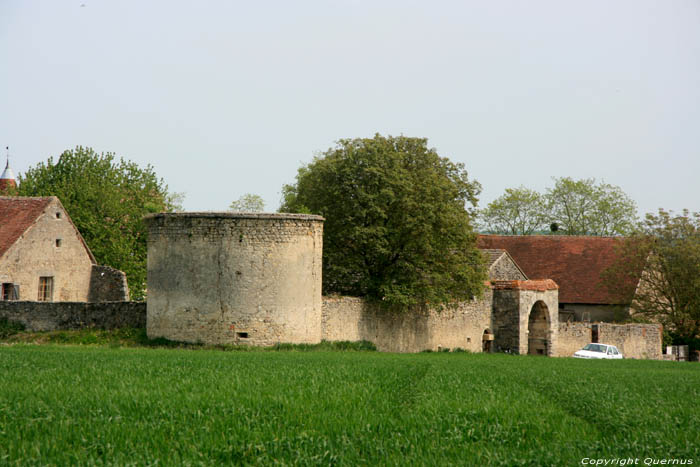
526	316
538	330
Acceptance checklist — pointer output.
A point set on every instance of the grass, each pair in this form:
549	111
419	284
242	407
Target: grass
68	405
13	333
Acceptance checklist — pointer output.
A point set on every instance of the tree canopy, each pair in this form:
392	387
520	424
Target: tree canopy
520	211
576	207
106	199
667	249
248	203
398	221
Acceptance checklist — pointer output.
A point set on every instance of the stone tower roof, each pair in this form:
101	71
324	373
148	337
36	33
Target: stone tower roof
7	179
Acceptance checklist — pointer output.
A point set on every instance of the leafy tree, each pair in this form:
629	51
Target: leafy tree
520	211
582	207
571	207
106	199
664	257
397	229
248	203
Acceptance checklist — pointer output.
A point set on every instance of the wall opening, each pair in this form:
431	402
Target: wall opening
538	330
487	341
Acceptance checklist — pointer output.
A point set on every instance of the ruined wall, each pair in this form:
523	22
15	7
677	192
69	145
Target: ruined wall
36	254
353	319
633	340
48	316
107	285
235	278
572	337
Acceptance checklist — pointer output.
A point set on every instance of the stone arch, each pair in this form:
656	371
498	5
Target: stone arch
539	330
487	341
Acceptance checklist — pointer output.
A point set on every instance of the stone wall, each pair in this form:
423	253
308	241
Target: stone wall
52	316
241	278
107	285
634	340
572	337
353	319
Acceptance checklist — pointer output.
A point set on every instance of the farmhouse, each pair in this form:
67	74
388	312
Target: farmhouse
575	263
248	278
44	258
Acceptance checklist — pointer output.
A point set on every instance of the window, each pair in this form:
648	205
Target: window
9	291
58	243
45	289
58	215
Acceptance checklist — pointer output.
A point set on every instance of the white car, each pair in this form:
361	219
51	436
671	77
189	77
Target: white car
598	351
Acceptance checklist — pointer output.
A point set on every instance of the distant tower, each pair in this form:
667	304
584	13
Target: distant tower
7	179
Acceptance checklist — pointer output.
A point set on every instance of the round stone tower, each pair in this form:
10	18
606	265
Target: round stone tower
221	278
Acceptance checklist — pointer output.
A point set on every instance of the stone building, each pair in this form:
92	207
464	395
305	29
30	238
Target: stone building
575	263
44	258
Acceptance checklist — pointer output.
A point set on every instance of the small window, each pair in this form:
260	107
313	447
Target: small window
58	243
45	289
58	215
242	335
9	291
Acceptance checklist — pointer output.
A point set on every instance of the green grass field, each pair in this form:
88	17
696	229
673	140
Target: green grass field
68	405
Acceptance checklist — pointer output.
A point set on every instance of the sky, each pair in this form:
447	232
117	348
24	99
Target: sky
225	98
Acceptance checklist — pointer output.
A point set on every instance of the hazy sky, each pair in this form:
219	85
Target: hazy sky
229	97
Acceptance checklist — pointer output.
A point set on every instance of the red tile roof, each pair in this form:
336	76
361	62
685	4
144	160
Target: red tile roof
574	263
18	213
16	216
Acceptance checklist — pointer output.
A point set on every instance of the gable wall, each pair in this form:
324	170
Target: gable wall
35	254
504	269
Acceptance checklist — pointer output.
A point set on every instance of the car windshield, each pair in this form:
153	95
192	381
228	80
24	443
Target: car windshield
596	348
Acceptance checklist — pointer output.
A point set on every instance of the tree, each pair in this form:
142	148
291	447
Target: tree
106	199
582	207
397	228
248	203
571	207
664	257
520	211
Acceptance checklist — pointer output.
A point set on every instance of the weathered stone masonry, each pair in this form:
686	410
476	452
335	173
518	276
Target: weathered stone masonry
256	278
55	316
235	277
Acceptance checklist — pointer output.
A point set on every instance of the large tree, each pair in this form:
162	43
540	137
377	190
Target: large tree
576	207
520	211
664	257
584	207
398	221
106	198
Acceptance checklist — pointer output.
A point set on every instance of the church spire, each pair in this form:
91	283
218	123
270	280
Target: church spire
7	179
